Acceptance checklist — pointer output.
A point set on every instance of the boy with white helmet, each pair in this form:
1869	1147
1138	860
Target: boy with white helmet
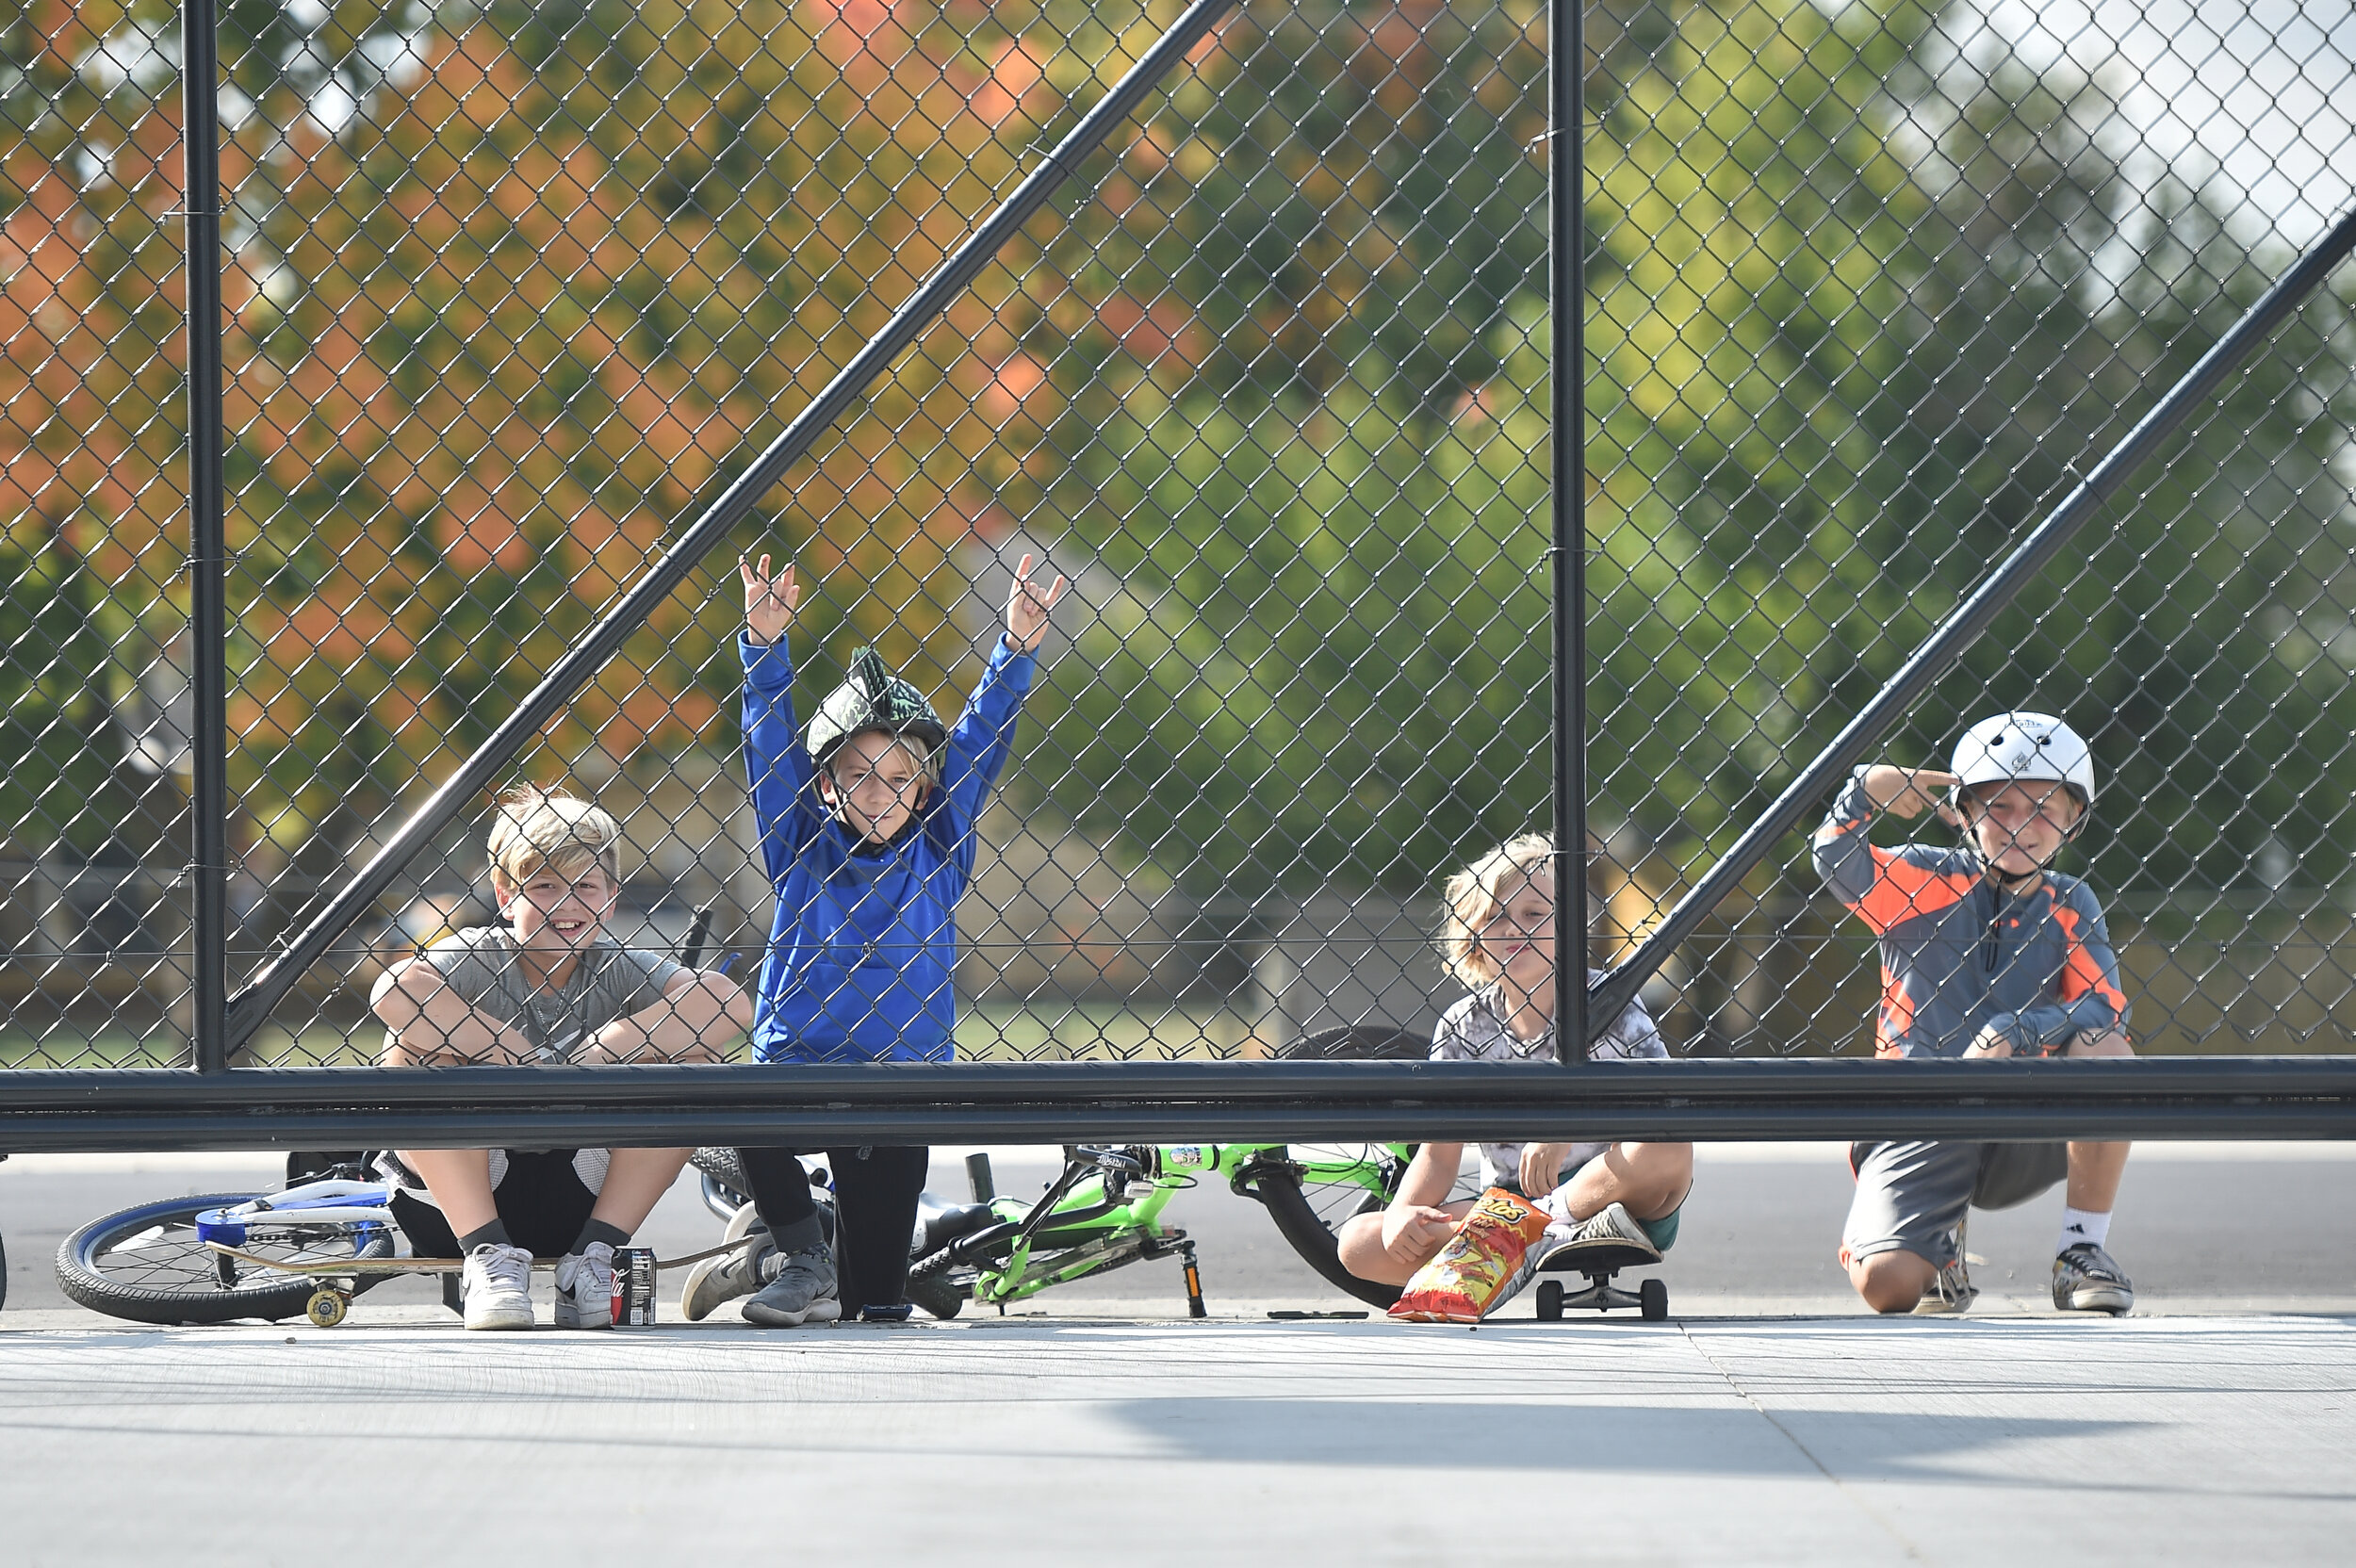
1986	952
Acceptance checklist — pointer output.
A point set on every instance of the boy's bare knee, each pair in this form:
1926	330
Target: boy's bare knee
1891	1281
1660	1173
2106	1042
1359	1247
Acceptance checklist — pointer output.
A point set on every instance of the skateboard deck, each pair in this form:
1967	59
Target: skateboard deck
329	1267
1600	1256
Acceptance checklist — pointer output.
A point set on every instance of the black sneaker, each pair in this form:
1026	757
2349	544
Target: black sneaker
2086	1280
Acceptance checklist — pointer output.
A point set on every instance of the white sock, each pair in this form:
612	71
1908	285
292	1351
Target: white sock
2078	1225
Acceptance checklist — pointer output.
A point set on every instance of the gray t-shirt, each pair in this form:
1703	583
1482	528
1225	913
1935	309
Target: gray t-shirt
483	965
1474	1031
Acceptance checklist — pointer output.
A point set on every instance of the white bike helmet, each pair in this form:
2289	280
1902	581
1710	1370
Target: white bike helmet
2010	746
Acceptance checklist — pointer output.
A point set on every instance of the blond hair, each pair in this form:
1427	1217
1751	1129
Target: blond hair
540	830
1473	896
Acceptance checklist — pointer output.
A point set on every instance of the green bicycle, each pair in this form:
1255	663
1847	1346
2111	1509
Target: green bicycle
1105	1211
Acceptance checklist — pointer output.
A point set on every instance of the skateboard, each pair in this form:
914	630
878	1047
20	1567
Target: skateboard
1599	1261
330	1303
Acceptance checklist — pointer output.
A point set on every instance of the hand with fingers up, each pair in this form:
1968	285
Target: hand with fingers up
1027	608
769	601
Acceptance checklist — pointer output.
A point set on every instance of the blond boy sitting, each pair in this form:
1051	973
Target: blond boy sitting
547	986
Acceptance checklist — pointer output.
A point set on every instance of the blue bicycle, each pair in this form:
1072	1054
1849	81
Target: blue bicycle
157	1263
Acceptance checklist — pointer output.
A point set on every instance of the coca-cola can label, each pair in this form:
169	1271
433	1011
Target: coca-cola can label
633	1286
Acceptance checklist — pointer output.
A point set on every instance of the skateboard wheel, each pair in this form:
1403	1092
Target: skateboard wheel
1652	1299
327	1308
1549	1300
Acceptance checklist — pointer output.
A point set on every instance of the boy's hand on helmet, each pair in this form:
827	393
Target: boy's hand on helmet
1028	607
1909	792
769	601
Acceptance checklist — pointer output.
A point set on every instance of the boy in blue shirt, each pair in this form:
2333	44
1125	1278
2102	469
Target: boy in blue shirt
867	833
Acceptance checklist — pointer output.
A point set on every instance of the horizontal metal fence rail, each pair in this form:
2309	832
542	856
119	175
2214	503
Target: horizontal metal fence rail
1281	1101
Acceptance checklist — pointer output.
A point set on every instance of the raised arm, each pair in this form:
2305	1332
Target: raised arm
1846	858
983	733
776	768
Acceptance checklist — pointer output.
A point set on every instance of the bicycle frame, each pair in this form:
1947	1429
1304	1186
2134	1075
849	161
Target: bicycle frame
1087	1223
323	1202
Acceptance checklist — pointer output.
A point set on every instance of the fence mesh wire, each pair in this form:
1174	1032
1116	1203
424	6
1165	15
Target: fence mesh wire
513	289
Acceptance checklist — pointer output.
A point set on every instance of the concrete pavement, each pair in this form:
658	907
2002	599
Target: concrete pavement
1768	1422
1817	1442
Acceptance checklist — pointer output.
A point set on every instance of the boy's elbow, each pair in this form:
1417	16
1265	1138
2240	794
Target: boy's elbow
733	1003
394	999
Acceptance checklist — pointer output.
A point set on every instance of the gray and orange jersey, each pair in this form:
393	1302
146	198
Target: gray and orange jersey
1960	954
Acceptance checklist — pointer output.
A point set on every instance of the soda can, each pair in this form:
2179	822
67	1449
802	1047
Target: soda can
633	1286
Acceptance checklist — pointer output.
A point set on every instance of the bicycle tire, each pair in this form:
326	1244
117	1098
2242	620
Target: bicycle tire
1309	1225
173	1277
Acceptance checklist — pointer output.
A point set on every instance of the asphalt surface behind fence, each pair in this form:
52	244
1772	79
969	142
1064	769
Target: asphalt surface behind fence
1769	1421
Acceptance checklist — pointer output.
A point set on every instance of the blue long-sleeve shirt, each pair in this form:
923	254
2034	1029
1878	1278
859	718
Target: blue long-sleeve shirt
864	939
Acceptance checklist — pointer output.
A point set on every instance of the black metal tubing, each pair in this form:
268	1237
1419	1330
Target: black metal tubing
208	539
1609	996
1566	171
251	1006
2292	1097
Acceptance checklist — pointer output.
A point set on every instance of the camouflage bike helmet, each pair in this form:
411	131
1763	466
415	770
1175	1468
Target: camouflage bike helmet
874	698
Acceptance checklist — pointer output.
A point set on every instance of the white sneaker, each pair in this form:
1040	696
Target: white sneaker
584	1288
496	1287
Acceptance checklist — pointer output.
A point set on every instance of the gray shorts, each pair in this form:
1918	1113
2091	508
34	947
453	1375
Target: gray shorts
1912	1196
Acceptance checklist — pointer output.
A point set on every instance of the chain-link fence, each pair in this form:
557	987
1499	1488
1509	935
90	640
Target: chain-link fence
513	290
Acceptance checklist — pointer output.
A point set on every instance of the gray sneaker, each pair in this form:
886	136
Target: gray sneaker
2086	1280
1613	1227
801	1291
731	1274
1952	1290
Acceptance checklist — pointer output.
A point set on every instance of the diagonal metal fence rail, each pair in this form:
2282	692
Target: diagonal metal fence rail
520	322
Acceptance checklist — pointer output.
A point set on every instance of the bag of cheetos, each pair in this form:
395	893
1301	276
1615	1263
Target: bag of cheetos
1469	1275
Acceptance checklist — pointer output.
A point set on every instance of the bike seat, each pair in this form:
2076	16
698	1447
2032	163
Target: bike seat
940	1223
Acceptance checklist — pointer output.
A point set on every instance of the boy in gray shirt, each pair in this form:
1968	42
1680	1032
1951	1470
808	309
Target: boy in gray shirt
1498	938
548	987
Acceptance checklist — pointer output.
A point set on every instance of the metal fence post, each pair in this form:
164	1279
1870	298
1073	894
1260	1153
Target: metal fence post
1566	175
208	543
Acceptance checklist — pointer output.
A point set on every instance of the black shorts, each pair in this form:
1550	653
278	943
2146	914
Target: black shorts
542	1201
